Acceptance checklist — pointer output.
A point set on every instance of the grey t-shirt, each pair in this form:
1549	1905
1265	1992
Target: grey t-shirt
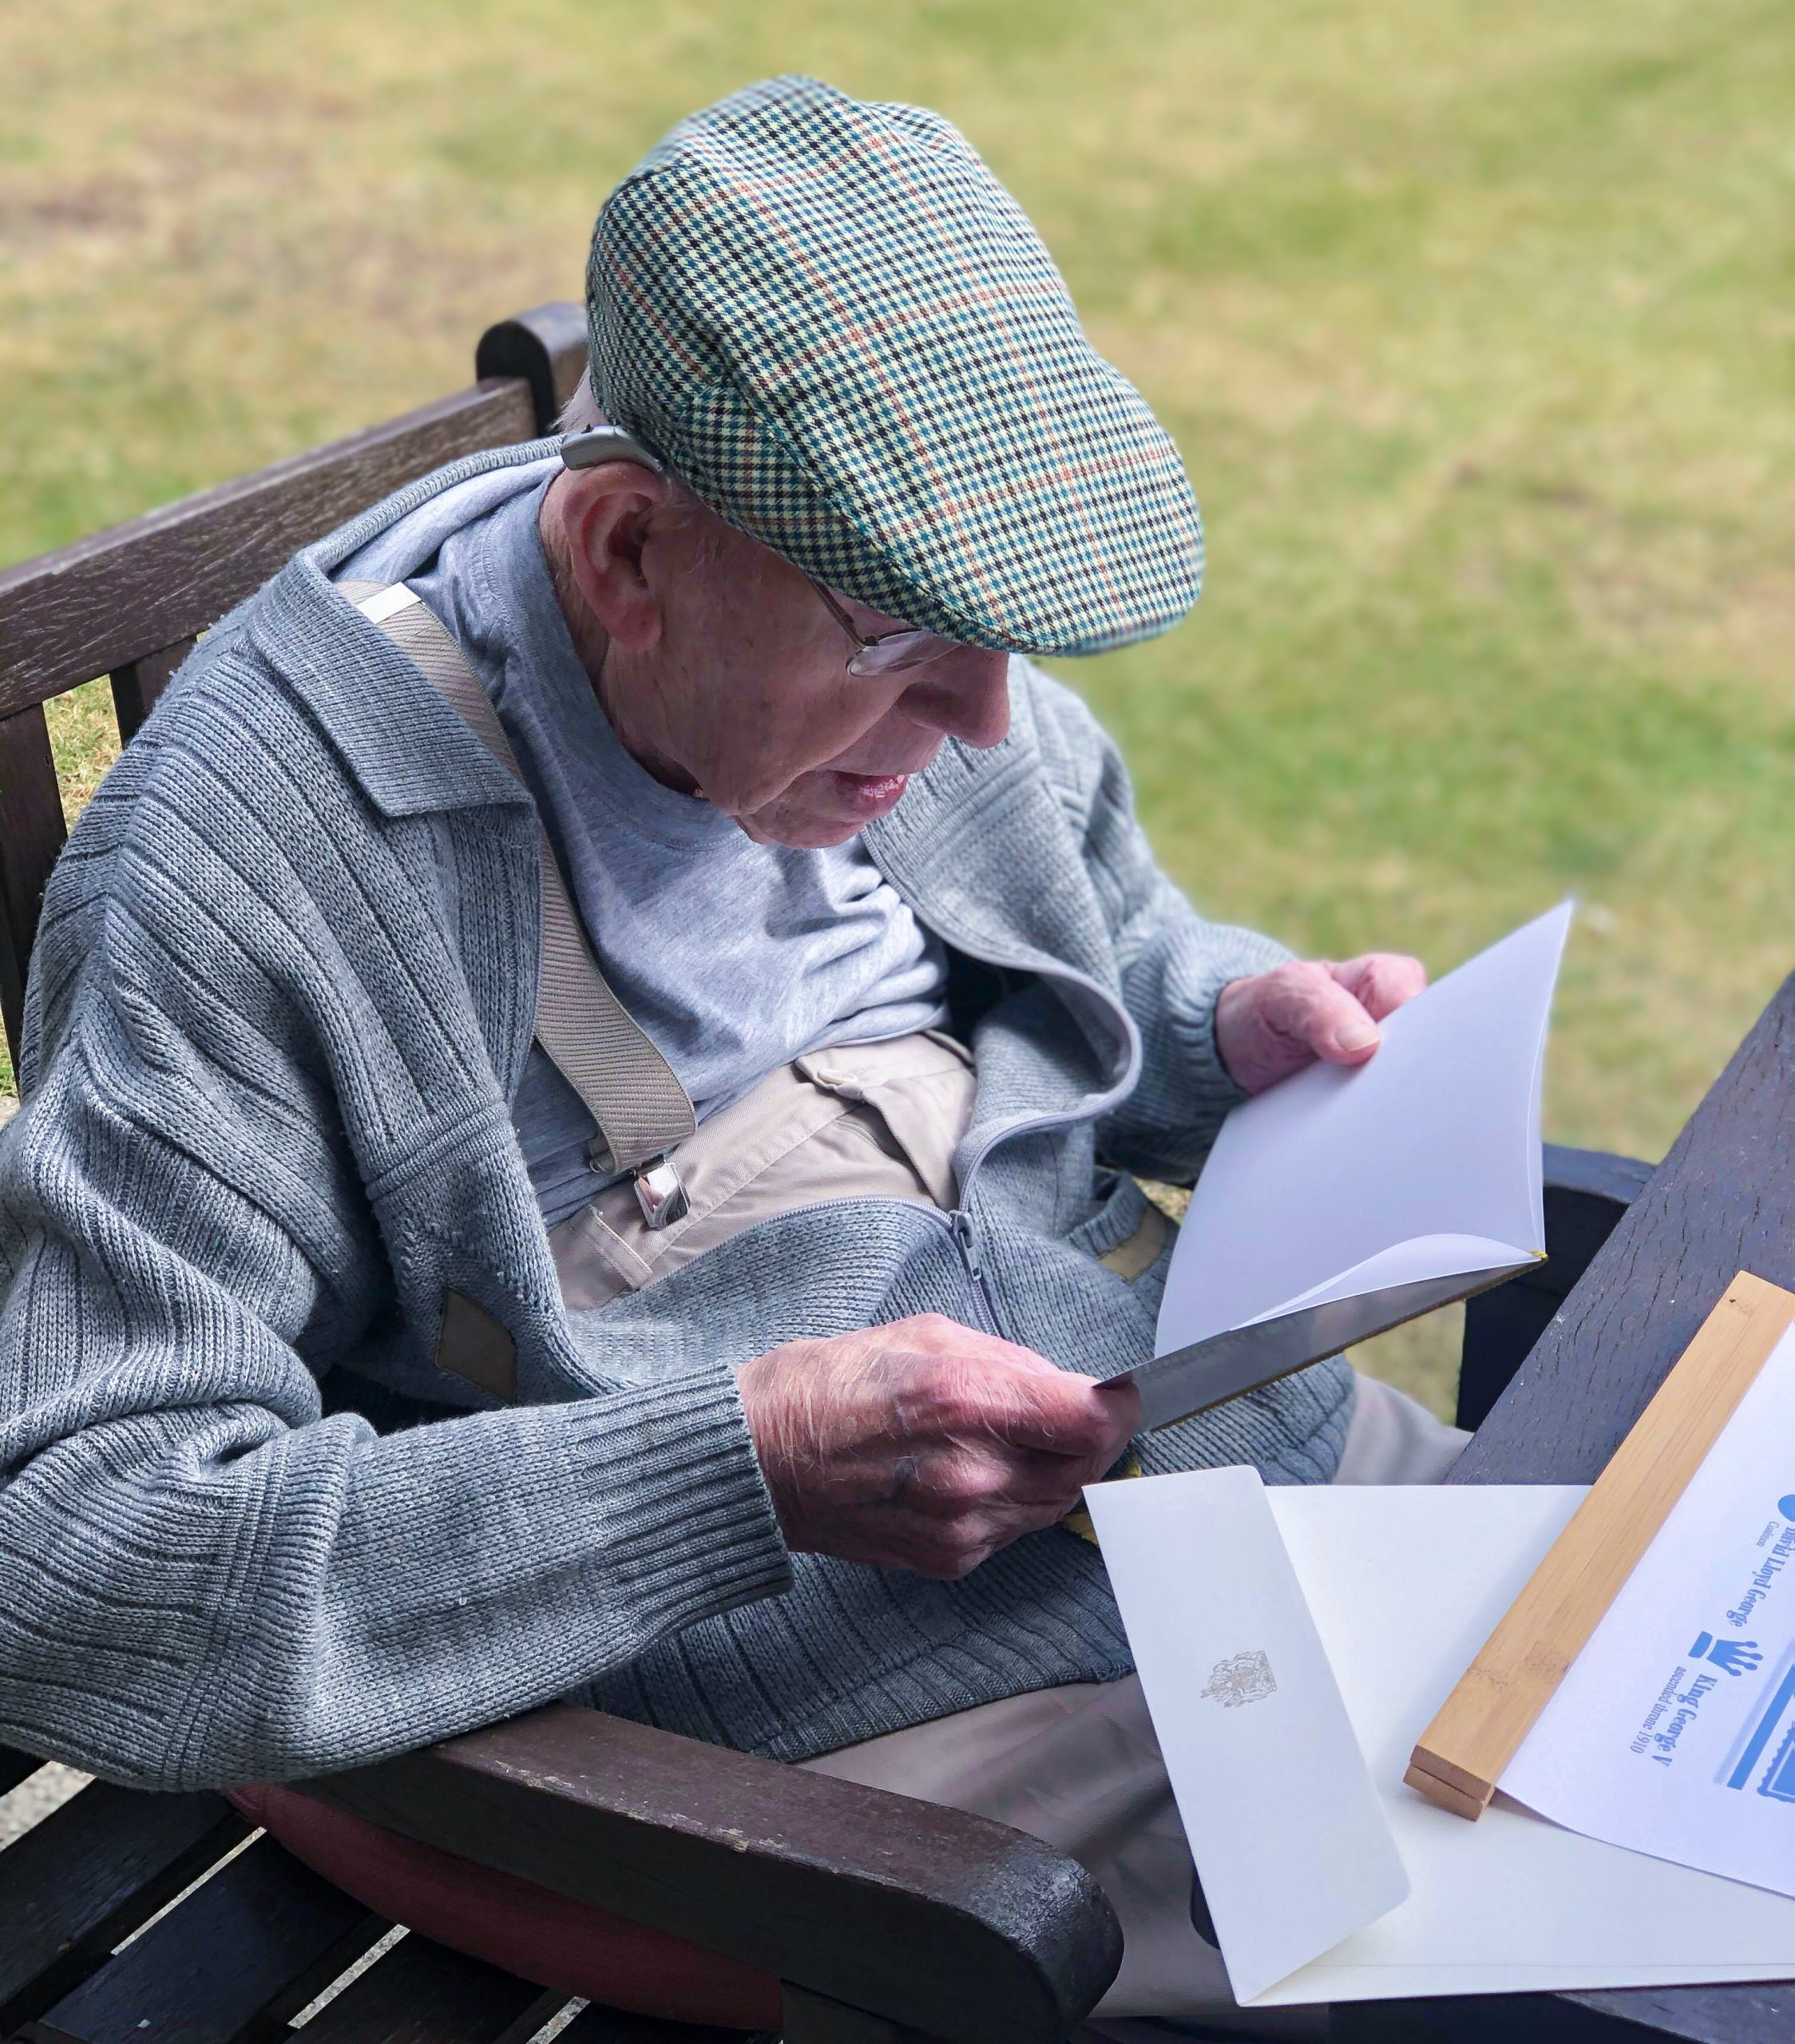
735	957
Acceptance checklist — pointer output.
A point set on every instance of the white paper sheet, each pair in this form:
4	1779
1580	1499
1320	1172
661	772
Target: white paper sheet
1427	1158
1403	1587
1673	1733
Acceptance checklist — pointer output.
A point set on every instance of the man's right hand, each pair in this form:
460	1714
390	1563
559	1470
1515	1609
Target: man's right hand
924	1444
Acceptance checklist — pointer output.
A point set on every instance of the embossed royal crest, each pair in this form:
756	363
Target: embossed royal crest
1242	1678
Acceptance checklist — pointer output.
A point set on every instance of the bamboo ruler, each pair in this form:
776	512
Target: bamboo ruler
1461	1755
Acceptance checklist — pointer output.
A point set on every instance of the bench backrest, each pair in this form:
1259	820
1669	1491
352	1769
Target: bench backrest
129	603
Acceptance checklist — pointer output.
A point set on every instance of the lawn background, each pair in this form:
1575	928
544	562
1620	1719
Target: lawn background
1474	325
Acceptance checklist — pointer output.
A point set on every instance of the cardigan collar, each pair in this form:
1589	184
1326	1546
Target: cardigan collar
944	847
408	750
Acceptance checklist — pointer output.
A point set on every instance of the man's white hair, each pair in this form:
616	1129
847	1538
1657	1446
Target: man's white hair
581	409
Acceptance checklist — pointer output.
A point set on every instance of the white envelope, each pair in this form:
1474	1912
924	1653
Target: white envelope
1399	1587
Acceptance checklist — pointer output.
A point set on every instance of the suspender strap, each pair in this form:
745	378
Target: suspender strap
641	1107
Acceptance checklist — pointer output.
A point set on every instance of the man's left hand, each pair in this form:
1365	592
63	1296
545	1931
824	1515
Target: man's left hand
1275	1023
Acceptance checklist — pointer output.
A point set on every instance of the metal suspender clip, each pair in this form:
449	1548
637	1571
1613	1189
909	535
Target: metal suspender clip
658	1192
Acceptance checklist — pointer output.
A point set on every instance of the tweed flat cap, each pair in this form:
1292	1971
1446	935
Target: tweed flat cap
833	323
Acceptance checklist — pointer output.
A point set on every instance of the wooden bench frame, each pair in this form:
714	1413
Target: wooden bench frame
889	1921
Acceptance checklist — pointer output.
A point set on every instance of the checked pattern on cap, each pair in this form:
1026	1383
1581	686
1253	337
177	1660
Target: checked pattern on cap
832	321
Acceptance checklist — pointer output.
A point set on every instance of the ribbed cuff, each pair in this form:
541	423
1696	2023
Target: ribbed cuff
679	1508
1237	954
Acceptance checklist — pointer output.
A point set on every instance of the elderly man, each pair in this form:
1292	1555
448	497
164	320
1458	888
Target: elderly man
623	958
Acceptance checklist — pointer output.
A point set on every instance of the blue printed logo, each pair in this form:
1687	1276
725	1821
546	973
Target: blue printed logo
1738	1657
1786	1506
1779	1777
1774	1723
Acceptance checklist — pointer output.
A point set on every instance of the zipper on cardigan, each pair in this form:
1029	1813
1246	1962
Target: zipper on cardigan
965	1238
1034	1124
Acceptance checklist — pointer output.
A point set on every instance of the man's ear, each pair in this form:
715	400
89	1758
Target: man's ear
606	513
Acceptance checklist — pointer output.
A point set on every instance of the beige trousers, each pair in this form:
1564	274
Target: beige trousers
858	1121
1079	1767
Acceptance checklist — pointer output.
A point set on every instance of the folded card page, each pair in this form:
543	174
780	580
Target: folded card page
1674	1730
1402	1586
1292	1846
1401	1183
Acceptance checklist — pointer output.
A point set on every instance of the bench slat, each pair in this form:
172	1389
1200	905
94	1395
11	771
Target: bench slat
136	685
98	605
599	2025
422	1993
15	1767
245	1951
89	1875
32	837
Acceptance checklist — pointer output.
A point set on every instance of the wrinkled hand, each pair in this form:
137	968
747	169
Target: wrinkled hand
1275	1023
924	1444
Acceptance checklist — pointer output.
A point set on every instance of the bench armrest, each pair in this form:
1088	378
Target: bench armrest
1586	1193
943	1923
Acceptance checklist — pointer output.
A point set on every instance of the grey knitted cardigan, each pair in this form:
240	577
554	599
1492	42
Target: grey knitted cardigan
282	995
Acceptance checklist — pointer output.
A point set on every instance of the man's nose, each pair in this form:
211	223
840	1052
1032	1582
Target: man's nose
966	695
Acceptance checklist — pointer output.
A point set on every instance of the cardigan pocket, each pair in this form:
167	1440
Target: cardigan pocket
1129	1236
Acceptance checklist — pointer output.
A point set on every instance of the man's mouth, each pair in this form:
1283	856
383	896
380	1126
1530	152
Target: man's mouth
867	795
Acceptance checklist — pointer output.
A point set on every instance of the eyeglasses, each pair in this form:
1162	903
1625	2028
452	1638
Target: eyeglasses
889	652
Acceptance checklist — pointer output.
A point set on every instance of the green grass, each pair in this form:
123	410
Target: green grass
1474	325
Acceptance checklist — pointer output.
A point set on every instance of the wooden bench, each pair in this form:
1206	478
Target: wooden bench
888	1922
